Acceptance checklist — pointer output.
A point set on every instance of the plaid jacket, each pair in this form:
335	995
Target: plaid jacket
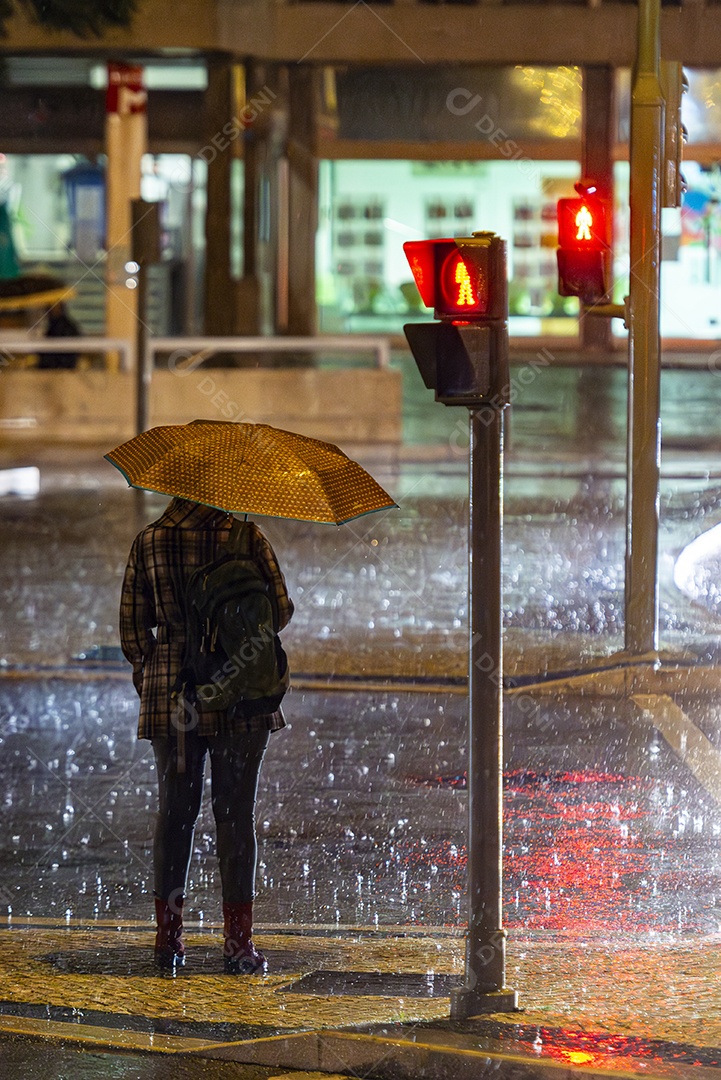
152	626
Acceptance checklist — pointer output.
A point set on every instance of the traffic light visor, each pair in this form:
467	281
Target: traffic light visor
452	276
581	224
421	255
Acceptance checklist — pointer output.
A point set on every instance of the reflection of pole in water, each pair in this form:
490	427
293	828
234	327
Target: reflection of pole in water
599	403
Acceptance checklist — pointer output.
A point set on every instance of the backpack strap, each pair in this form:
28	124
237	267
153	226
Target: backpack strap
239	544
239	538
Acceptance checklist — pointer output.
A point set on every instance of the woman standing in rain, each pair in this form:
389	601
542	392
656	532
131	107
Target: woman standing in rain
188	536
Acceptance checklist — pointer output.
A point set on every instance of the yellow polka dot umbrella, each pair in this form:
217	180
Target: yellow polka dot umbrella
250	469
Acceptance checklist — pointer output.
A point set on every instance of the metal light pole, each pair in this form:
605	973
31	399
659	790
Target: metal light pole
145	247
644	428
485	987
142	371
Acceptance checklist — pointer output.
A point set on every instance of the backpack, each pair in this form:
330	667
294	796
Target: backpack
233	655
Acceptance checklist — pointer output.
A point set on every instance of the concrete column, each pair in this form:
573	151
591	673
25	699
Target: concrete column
257	93
302	199
219	148
126	138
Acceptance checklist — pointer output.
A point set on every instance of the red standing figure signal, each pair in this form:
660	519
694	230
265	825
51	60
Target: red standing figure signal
582	248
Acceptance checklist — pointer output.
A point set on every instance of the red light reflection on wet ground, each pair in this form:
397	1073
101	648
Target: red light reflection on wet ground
595	852
600	1049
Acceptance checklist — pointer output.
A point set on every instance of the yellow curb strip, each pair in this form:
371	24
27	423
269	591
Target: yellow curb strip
263	1040
459	1051
116	1039
172	1044
314	1075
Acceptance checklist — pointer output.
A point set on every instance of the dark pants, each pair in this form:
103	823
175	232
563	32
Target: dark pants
235	762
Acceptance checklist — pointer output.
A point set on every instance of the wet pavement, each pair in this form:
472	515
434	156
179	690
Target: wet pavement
357	1001
361	816
612	872
385	595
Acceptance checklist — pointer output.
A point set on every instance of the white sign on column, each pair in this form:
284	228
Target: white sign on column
126	138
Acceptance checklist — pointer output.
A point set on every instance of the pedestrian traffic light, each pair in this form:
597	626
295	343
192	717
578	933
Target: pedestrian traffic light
582	246
673	86
464	357
461	277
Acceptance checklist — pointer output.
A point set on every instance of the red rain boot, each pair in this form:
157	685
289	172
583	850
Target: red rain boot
169	947
240	954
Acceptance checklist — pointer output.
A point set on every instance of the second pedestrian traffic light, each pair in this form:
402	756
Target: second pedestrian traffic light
582	247
464	357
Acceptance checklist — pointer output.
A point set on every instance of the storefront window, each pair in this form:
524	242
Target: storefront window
369	208
690	304
33	190
53	232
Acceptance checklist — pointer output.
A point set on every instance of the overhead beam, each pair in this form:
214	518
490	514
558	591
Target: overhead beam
496	34
414	33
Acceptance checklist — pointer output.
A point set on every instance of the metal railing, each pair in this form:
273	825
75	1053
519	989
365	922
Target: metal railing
195	350
185	354
9	347
190	352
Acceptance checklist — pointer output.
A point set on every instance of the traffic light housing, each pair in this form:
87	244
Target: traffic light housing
673	87
464	357
582	247
461	277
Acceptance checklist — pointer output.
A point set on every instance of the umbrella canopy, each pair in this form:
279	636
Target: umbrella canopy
250	469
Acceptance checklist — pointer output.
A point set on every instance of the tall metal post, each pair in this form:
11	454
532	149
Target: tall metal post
485	988
644	429
145	241
142	368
